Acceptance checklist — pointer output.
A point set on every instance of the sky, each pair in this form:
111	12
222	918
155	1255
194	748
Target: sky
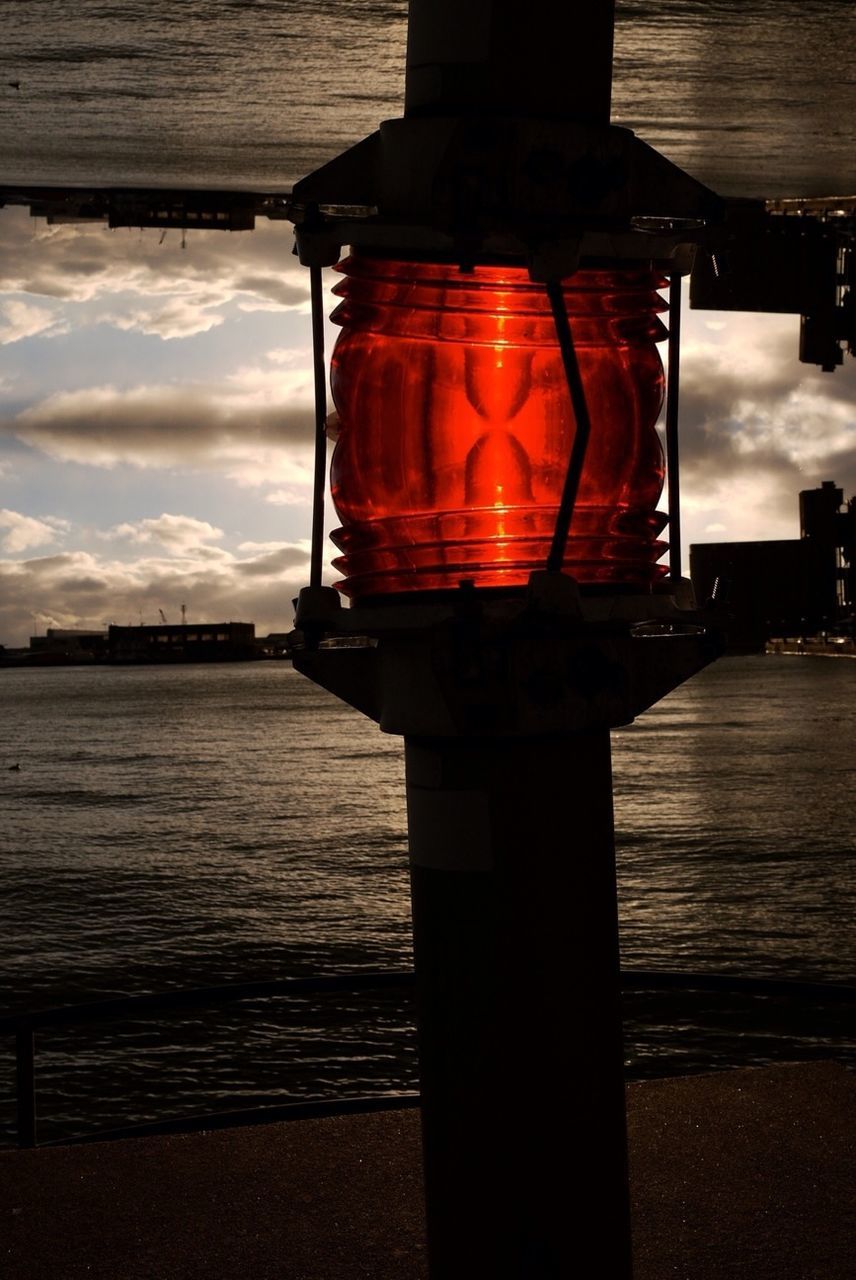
156	426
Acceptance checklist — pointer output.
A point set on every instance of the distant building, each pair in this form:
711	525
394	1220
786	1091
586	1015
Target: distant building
197	642
800	586
61	645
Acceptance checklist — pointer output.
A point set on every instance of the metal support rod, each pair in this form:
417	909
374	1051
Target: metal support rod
25	1086
320	475
672	405
556	557
517	978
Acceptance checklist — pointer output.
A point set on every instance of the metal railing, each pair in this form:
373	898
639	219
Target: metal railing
23	1026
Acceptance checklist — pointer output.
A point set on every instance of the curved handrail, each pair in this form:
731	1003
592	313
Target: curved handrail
391	979
187	997
24	1024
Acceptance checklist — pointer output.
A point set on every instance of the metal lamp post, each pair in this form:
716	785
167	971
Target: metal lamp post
496	473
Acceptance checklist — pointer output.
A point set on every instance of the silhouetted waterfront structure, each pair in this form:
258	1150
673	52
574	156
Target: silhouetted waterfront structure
198	642
66	645
798	586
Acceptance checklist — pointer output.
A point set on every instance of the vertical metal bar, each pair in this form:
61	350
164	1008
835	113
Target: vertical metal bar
672	456
320	476
25	1082
583	427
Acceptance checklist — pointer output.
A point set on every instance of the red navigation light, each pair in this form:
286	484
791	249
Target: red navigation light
455	426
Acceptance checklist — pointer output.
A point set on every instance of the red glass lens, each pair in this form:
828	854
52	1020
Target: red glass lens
455	426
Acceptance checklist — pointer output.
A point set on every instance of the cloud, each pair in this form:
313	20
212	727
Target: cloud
177	533
292	356
23	532
178	319
256	427
273	292
20	319
757	426
273	563
111	271
288	497
79	589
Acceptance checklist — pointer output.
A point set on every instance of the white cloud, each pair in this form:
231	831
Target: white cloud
178	319
294	356
177	533
20	319
288	497
112	272
24	532
757	426
79	589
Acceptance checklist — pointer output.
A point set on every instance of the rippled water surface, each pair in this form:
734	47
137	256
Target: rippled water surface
195	825
754	97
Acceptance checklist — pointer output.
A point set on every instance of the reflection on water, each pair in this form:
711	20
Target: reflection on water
751	96
745	774
195	825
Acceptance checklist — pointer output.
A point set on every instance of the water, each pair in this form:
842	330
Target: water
752	96
177	827
181	826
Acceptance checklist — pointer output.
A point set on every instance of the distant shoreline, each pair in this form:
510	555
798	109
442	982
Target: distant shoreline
24	663
813	647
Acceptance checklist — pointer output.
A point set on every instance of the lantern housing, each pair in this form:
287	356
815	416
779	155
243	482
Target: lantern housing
455	424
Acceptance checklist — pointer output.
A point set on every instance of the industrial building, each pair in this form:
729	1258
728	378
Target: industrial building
61	645
788	587
190	642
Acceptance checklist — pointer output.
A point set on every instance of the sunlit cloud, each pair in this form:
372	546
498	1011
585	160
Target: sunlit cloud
78	589
19	532
294	356
178	319
757	426
177	533
288	497
20	319
112	271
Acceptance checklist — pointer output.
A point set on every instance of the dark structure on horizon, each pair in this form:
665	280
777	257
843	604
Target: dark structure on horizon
788	587
66	645
199	642
189	642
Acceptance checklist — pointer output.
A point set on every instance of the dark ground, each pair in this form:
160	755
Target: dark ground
737	1175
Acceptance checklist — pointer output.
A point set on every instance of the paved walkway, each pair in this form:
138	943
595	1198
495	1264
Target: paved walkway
748	1175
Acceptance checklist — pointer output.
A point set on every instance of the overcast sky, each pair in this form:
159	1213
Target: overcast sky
155	404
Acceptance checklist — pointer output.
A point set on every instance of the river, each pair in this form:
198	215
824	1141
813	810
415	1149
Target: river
753	97
191	825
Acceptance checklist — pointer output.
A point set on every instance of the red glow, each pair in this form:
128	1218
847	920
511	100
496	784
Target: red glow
455	426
